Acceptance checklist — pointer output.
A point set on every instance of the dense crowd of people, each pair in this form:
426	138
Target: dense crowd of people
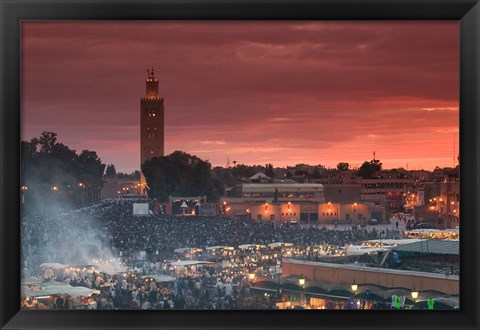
110	229
207	289
112	225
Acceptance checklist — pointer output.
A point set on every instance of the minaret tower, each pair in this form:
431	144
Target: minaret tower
151	123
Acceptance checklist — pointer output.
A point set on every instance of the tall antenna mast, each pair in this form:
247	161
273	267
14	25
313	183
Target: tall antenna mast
453	149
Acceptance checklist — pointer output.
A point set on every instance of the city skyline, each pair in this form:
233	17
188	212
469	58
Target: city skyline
255	93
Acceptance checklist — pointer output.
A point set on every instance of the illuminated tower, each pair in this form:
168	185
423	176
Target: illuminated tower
151	122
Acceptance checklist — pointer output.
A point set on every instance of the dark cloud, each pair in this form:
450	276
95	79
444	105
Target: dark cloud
267	91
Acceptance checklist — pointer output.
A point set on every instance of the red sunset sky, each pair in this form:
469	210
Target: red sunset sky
257	93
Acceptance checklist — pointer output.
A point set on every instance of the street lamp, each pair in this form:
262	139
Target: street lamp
24	189
354	287
414	296
301	281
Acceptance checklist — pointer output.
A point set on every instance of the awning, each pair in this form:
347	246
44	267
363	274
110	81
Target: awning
160	278
218	247
279	244
53	265
186	263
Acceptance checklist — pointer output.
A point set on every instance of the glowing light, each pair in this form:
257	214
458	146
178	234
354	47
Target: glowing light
301	280
414	294
354	286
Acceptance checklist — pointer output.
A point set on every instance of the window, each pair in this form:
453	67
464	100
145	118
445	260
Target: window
303	217
360	216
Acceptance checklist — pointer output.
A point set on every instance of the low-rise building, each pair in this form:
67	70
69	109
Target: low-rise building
115	187
303	202
384	190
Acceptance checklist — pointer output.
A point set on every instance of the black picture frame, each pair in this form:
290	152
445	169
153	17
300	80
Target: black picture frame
13	12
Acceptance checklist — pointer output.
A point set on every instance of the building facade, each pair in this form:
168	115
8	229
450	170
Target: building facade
388	190
114	187
283	202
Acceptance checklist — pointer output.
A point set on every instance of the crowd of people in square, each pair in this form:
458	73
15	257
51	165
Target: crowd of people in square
72	238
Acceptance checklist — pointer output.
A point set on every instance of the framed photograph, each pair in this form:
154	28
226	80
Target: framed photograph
239	164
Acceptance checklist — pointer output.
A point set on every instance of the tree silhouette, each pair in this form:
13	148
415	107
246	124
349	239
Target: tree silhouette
343	166
180	174
110	172
47	163
369	169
